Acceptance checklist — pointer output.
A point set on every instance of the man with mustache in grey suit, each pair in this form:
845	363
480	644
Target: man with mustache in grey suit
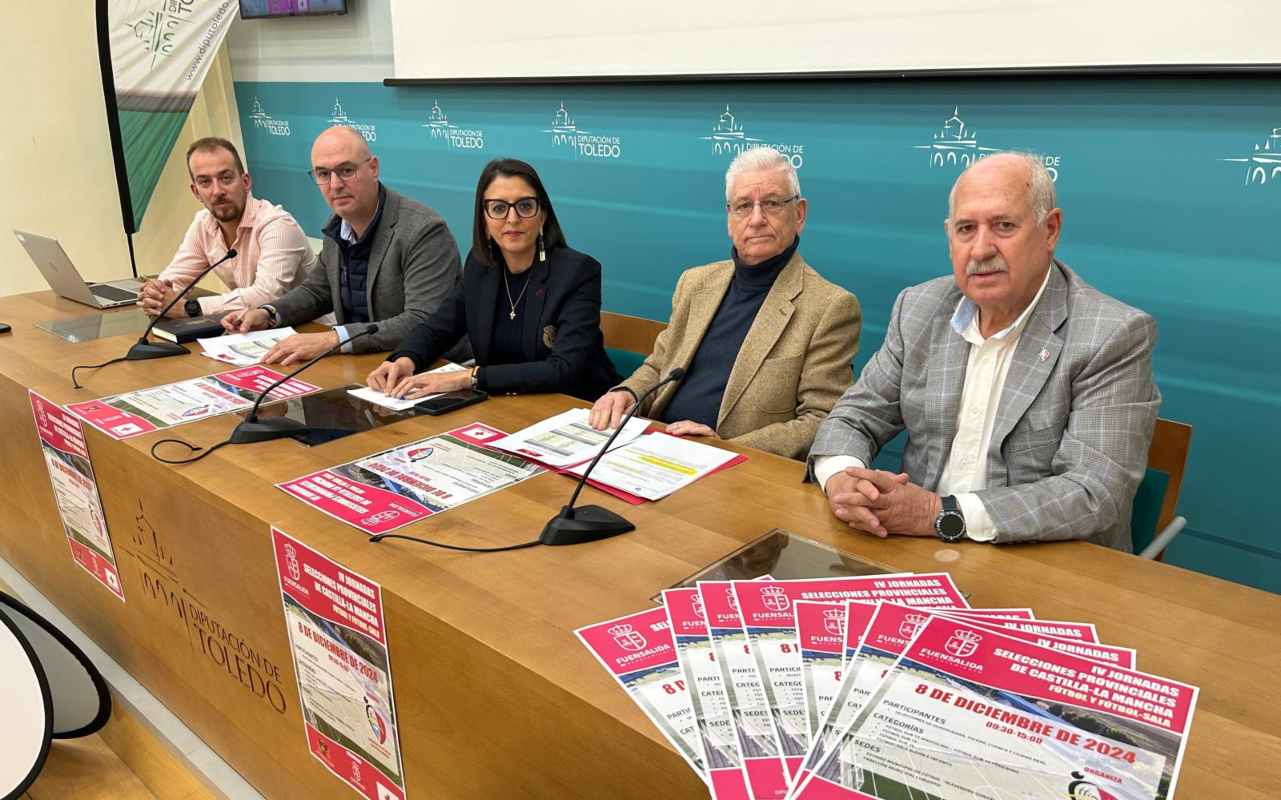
1027	394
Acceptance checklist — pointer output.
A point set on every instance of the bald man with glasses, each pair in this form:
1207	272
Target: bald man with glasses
386	259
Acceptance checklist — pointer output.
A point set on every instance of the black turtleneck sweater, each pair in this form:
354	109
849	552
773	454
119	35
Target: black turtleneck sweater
698	397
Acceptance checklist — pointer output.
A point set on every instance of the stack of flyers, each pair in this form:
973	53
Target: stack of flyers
889	630
891	686
970	711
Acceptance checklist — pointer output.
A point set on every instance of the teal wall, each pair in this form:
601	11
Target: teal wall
1156	212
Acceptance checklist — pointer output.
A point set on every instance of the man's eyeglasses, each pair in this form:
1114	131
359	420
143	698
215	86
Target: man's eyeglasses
345	171
526	207
771	206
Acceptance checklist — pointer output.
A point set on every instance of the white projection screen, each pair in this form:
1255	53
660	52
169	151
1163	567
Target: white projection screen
612	38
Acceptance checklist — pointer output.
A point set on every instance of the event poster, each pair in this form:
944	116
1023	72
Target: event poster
638	650
965	706
770	626
75	491
338	641
749	706
130	414
717	735
887	635
822	630
388	490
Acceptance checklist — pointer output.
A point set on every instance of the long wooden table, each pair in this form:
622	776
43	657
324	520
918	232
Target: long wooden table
496	697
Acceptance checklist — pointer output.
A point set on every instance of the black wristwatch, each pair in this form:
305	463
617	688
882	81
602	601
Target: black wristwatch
192	307
950	523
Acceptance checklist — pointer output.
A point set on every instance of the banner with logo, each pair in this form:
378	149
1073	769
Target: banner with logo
388	490
155	55
75	491
965	706
338	639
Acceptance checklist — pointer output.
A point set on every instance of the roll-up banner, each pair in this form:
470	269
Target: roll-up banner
154	56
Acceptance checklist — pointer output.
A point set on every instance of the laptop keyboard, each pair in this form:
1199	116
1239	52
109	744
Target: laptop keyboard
112	293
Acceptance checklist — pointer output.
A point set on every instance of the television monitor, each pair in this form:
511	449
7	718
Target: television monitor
264	9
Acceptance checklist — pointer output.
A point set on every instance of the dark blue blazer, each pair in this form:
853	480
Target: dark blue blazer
562	345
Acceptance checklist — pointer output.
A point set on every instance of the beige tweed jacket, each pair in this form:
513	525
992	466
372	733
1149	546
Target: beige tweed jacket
792	367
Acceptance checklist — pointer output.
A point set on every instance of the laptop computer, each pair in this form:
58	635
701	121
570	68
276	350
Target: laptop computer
65	279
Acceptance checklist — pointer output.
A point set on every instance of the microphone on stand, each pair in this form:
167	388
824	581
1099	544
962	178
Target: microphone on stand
589	523
252	429
143	349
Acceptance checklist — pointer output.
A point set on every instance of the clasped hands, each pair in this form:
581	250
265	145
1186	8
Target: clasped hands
156	294
880	503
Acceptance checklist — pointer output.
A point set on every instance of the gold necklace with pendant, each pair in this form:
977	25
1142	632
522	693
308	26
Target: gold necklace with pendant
510	301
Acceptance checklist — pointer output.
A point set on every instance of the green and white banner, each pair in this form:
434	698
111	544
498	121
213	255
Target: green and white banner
155	55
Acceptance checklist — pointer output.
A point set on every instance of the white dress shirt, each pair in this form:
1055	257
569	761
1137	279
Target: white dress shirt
985	373
272	257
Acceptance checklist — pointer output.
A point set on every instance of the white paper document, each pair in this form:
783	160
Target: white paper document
567	439
399	404
242	349
656	465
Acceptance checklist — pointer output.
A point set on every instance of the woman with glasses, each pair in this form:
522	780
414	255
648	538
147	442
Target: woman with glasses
529	303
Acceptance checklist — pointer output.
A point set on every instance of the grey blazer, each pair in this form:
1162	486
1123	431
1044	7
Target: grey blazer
412	268
1072	428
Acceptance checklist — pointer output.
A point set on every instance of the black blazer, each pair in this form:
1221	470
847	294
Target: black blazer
563	348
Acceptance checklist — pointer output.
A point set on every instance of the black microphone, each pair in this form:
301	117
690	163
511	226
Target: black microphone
252	429
589	523
144	349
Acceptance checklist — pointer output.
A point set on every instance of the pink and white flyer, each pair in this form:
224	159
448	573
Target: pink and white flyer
824	631
770	626
719	739
75	491
889	632
1077	638
748	703
388	490
130	414
338	639
638	651
965	706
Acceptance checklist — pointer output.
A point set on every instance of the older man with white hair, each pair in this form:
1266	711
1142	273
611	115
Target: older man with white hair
1027	394
766	343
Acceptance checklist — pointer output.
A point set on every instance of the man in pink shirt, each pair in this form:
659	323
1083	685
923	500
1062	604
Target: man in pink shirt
273	255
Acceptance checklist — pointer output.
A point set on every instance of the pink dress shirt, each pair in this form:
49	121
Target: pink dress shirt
272	257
